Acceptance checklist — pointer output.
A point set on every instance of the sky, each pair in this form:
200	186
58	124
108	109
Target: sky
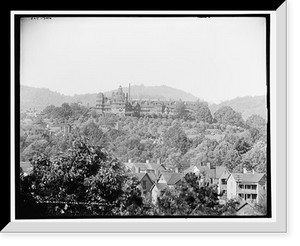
215	59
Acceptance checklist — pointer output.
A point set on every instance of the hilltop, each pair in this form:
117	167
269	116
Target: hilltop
247	105
157	92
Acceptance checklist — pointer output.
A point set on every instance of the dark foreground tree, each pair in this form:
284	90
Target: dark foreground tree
83	182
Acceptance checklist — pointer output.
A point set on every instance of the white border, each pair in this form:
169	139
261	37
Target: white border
278	159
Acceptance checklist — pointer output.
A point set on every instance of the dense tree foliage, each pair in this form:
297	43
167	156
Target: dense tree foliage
202	113
226	115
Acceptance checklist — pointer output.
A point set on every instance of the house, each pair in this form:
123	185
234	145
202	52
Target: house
156	189
170	178
56	128
214	176
146	181
153	169
166	180
247	209
250	187
222	174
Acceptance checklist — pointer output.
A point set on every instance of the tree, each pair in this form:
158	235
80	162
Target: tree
83	181
93	132
227	116
256	158
232	159
180	110
176	138
48	111
65	111
255	121
202	113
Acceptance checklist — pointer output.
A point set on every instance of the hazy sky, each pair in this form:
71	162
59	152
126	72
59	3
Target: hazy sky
213	58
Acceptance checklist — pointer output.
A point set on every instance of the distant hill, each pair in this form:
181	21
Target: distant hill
247	105
39	98
156	92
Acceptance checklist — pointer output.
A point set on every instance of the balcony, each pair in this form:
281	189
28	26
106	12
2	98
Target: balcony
246	191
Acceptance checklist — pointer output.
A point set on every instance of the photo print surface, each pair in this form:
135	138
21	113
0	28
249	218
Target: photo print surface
143	116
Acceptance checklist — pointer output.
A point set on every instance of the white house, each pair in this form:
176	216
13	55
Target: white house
250	187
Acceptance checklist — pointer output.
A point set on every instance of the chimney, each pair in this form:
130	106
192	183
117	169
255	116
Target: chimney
176	170
147	161
129	161
253	172
158	160
244	170
138	170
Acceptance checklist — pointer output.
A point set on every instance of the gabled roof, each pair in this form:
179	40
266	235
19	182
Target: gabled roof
140	176
246	205
152	177
220	170
160	186
167	175
175	178
248	177
188	170
172	178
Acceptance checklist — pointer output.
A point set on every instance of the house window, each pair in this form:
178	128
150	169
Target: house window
248	196
241	186
241	195
223	181
247	186
253	187
254	196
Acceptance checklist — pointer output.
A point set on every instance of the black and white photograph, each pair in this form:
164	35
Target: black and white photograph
144	117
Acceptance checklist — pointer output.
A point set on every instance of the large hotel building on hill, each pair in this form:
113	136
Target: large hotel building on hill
121	104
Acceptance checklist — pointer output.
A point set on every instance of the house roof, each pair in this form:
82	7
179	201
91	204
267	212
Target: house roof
140	176
171	177
175	178
220	170
245	205
160	186
167	175
188	170
152	177
248	177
